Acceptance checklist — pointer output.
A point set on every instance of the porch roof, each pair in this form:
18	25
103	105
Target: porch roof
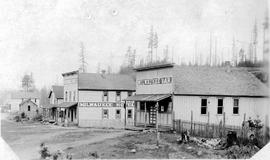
49	106
67	104
148	97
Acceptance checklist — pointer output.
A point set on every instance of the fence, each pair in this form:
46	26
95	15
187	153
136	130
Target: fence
206	129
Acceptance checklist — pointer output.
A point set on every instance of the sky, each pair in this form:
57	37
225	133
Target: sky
44	36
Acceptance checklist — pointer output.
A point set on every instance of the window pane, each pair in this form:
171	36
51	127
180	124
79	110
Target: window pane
220	102
105	113
203	110
236	102
204	102
118	114
129	113
235	110
129	93
219	110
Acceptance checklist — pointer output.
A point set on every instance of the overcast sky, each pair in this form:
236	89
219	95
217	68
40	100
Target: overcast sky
43	36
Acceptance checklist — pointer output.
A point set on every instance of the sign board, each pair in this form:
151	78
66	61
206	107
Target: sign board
162	80
106	104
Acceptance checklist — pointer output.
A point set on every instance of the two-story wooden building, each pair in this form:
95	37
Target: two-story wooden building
56	97
96	100
166	92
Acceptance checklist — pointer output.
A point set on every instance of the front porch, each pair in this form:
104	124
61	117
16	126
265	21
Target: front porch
67	114
153	111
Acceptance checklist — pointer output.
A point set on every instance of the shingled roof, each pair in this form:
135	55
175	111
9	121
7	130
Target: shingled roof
58	91
217	81
95	81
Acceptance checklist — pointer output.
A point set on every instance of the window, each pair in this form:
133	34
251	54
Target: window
129	115
203	106
105	113
129	93
220	106
29	108
35	100
74	95
118	96
141	106
105	96
66	96
118	114
235	106
69	95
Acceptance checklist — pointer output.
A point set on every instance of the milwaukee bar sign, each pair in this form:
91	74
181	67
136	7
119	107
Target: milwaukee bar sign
162	80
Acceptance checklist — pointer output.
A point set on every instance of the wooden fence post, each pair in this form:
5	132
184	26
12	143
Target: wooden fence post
224	124
191	122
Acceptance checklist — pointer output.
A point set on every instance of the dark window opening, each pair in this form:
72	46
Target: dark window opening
235	110
203	106
105	96
142	106
118	114
29	108
220	102
118	96
129	94
129	115
66	96
105	113
220	110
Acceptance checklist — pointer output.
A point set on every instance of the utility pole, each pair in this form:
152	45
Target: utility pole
210	50
255	36
83	62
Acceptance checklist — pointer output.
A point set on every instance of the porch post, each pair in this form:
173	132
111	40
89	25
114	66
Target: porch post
145	115
157	107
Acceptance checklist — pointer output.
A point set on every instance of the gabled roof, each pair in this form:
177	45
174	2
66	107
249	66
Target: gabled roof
58	91
24	95
217	81
28	100
95	81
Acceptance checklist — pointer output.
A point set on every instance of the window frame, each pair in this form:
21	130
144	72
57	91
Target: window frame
103	115
107	96
236	106
129	116
118	116
220	106
202	106
117	94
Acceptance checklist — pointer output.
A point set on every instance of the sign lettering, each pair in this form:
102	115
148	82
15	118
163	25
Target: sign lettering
163	80
106	104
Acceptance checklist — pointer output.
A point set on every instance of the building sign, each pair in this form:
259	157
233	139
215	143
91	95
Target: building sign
162	80
106	104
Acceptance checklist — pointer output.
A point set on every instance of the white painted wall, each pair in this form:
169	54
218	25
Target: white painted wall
252	107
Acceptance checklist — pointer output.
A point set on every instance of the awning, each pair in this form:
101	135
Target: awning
67	104
49	106
148	97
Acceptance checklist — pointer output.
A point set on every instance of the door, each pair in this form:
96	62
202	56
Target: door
152	115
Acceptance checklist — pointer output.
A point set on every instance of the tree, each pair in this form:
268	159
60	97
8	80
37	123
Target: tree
150	45
83	63
44	100
28	82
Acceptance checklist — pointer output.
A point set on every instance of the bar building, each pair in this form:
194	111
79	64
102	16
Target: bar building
96	100
167	92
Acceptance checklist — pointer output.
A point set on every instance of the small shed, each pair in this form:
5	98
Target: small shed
30	108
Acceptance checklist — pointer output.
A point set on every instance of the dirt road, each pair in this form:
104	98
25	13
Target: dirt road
25	138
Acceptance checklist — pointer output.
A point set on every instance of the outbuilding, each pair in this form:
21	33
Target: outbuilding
167	92
29	108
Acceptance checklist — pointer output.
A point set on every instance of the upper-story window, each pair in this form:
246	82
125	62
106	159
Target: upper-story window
66	96
118	95
105	97
203	106
74	96
220	106
235	106
29	108
70	95
129	93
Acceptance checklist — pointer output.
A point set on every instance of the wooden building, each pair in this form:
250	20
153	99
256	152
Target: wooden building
96	100
56	97
30	108
167	92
